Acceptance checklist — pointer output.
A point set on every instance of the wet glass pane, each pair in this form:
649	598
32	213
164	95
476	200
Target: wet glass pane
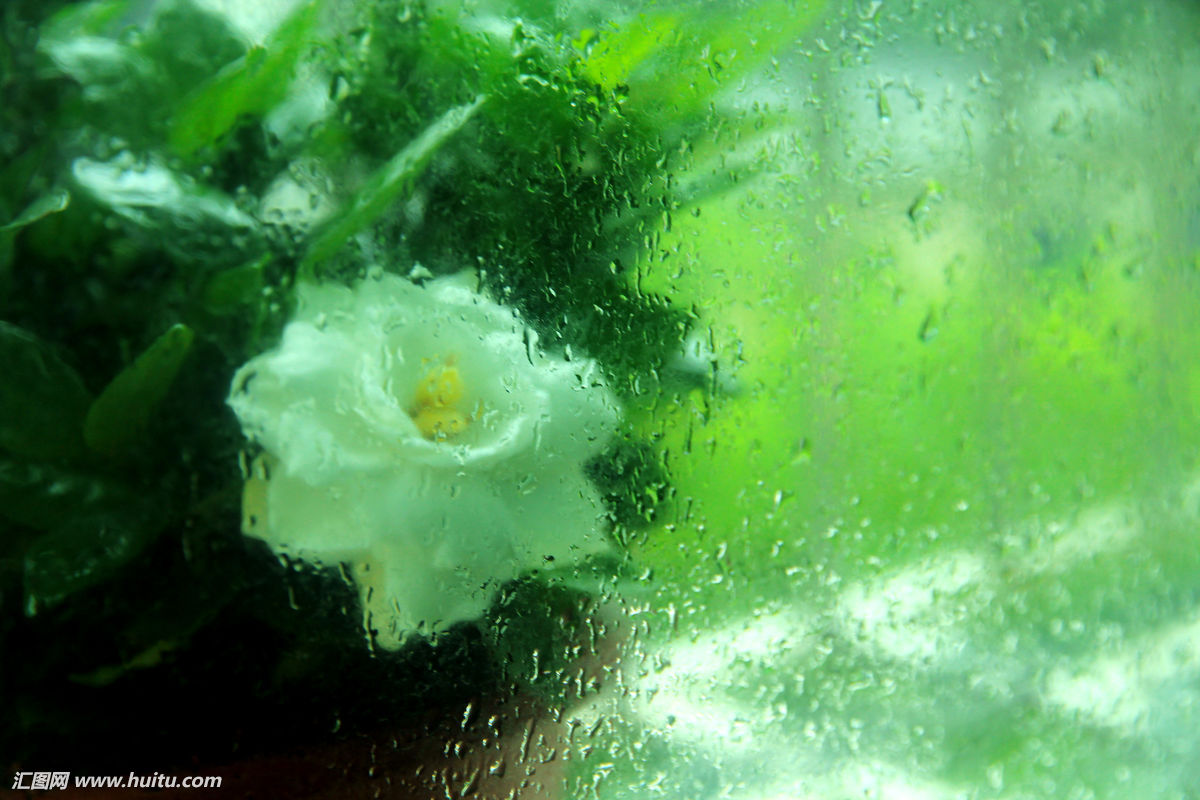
539	399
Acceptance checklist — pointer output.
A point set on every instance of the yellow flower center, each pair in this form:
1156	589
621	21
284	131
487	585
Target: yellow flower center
435	403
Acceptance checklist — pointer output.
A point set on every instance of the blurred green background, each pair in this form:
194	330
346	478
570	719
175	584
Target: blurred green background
939	539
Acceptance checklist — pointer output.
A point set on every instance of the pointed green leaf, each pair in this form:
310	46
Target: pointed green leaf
44	206
119	416
393	178
250	85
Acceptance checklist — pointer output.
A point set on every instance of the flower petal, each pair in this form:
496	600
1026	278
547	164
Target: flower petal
433	518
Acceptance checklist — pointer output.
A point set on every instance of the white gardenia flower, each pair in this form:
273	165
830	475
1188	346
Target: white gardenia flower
418	436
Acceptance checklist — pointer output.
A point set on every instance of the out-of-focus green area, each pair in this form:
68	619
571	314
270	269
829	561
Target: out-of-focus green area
937	535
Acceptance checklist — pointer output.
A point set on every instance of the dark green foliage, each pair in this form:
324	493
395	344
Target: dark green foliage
633	477
538	632
83	552
42	400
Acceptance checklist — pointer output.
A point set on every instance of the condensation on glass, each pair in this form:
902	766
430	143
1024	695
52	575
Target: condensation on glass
741	400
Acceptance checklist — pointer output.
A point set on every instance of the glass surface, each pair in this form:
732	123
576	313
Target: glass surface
545	399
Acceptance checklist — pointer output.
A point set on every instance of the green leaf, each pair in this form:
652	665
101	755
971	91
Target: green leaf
85	551
192	221
44	206
42	399
211	43
118	417
386	184
250	85
232	290
673	63
79	42
93	525
46	496
83	19
152	196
